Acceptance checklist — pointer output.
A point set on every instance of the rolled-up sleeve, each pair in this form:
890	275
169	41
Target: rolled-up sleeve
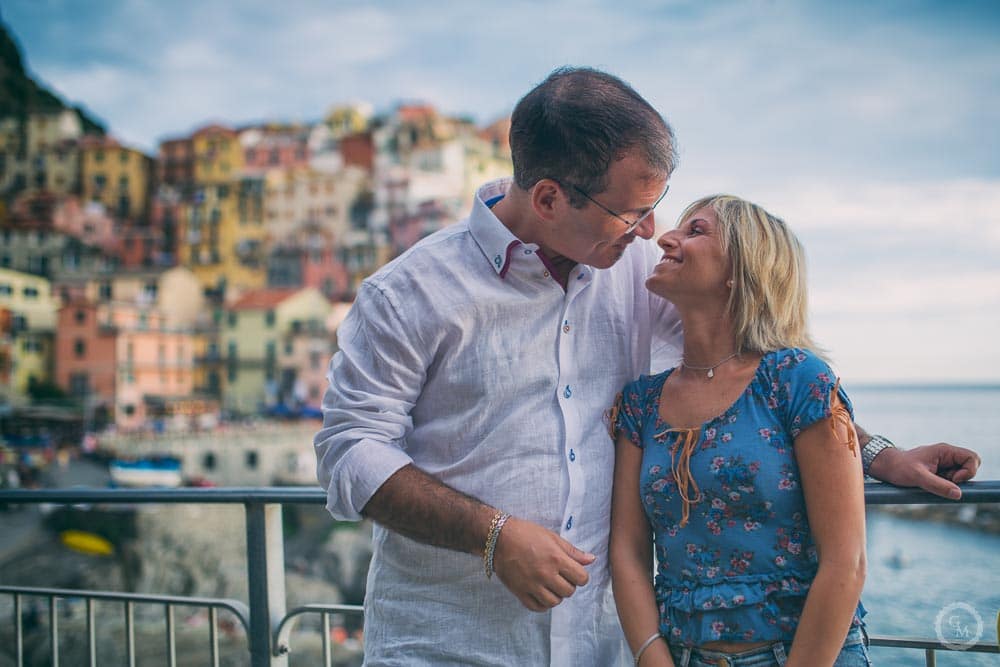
374	381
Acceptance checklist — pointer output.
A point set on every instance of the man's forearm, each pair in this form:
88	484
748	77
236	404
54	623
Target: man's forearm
417	505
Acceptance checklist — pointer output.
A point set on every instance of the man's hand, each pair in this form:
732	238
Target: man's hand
537	566
937	468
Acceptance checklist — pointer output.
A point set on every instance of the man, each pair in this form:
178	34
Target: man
464	414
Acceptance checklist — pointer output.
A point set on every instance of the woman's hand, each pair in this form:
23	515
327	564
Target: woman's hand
631	553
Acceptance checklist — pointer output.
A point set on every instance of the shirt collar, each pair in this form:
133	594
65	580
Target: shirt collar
494	239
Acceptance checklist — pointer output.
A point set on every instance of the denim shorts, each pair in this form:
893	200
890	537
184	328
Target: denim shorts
853	654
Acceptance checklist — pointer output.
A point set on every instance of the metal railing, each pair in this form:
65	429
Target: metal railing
266	621
213	605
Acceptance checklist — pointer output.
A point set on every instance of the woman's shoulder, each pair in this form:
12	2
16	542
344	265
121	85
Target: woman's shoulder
645	383
642	393
792	362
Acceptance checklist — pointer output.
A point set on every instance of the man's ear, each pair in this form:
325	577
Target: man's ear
547	198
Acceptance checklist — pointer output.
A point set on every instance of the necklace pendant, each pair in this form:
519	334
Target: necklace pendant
710	374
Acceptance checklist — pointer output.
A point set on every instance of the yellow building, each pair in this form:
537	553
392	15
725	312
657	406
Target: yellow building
348	119
117	176
40	152
259	332
222	238
218	155
33	323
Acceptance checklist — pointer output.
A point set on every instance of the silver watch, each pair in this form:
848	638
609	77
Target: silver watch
873	448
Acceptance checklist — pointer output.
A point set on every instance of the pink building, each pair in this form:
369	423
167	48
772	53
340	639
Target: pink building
85	362
88	222
125	359
274	147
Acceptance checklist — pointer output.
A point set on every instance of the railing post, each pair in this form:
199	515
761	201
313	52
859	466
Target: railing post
265	581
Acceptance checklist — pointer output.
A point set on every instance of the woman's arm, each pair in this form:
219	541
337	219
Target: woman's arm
833	487
631	553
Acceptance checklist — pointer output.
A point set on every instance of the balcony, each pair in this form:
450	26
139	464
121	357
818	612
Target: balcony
260	630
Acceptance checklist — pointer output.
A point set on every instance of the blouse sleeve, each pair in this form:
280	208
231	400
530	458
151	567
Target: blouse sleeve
810	385
626	413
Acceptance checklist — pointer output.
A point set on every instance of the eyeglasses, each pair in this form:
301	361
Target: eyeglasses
632	224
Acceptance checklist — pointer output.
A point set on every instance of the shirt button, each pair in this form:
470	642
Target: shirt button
569	524
545	274
527	252
566	326
572	455
567	392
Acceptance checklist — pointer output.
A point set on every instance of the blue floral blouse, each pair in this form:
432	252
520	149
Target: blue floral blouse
741	565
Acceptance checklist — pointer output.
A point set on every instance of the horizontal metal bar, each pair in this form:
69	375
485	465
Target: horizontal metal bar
876	493
929	644
235	607
226	495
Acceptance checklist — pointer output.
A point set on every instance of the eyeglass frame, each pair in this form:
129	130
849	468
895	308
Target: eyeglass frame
631	225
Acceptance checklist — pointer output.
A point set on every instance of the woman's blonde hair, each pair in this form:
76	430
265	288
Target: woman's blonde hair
768	302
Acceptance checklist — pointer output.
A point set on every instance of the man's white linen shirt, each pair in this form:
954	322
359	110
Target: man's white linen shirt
465	357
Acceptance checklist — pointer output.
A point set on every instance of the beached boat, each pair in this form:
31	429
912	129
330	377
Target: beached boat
150	471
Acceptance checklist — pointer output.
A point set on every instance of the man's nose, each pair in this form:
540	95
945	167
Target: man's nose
647	227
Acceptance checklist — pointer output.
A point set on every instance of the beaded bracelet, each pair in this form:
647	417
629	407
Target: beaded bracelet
499	519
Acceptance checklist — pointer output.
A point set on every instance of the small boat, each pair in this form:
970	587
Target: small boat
149	471
86	543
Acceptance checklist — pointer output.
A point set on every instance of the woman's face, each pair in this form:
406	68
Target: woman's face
693	263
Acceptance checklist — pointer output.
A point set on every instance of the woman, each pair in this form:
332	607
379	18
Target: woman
742	462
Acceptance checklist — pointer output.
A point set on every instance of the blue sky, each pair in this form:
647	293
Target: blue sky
872	128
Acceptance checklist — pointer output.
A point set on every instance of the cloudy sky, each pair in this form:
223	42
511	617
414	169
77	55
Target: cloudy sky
873	128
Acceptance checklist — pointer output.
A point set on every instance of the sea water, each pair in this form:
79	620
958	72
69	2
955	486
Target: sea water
927	579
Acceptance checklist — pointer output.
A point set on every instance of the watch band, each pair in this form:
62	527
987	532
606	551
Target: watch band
873	448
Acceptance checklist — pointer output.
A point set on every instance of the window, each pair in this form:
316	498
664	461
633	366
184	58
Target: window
269	318
30	292
6	290
289	347
79	384
123	157
104	291
80	347
232	362
81	317
251	460
208	461
232	319
269	362
129	410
